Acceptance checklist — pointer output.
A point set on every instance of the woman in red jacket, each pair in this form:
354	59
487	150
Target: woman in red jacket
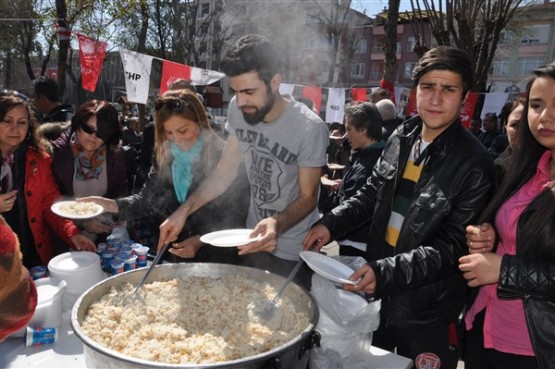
27	187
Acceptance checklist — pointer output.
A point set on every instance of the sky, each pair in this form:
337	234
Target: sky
374	7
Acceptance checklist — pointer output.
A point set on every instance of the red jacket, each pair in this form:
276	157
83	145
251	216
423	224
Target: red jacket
41	192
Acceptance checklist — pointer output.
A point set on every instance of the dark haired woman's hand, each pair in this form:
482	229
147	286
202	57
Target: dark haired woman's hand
480	238
94	226
7	201
82	243
480	269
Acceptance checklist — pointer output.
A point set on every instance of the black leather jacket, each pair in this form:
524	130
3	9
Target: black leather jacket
421	283
534	282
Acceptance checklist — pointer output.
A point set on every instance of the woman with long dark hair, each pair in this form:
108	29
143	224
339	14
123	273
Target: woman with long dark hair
27	186
511	321
89	161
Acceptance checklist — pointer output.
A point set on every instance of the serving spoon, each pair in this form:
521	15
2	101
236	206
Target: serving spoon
267	311
135	295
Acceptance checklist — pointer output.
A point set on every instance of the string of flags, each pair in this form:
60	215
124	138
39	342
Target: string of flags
137	70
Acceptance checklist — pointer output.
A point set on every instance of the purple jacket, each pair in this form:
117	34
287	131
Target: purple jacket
63	168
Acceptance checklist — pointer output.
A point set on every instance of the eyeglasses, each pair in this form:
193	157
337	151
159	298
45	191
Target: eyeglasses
89	130
14	93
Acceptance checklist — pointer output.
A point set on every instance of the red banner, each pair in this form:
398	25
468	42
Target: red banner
172	71
467	111
388	86
314	93
359	94
91	56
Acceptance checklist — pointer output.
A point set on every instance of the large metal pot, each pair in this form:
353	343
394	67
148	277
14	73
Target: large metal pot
294	354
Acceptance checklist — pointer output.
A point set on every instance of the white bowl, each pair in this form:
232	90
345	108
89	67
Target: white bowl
80	270
48	312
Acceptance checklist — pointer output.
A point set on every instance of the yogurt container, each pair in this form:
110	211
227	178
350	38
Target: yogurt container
40	336
116	266
141	253
130	263
38	272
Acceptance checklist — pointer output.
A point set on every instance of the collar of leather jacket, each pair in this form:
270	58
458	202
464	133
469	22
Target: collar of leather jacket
440	145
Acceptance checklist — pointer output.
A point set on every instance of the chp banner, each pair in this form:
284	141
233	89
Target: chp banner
91	56
335	106
137	75
172	71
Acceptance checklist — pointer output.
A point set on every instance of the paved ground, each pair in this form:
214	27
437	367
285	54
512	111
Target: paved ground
333	249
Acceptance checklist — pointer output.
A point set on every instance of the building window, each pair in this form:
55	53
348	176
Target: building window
411	41
527	65
357	70
409	66
535	35
506	37
205	9
398	47
361	47
378	47
500	67
377	71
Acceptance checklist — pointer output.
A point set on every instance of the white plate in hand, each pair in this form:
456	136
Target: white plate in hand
328	267
76	210
229	238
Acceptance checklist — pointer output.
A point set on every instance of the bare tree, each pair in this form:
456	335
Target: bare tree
19	35
390	42
472	25
332	23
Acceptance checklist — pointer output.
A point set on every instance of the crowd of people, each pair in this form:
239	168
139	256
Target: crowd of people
447	232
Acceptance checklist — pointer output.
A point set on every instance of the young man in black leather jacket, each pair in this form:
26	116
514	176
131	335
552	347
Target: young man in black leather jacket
432	179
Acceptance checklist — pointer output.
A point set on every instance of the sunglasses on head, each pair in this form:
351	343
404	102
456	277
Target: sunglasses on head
177	105
14	93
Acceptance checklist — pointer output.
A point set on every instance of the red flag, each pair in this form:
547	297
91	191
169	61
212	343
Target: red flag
467	111
314	93
386	85
359	94
172	71
91	56
410	108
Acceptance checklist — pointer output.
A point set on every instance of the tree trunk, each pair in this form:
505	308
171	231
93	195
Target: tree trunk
390	70
8	71
64	44
141	48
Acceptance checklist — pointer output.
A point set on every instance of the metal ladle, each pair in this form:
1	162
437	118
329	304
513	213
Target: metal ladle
268	312
135	295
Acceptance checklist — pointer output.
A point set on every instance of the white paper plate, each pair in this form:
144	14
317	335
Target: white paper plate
59	208
334	166
229	238
328	267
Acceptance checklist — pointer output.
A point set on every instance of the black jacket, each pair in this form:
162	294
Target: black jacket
61	113
533	281
361	164
421	284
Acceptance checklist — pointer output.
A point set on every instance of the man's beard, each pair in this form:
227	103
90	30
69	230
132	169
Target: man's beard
259	114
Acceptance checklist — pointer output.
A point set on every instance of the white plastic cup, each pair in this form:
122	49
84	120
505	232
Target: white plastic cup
141	253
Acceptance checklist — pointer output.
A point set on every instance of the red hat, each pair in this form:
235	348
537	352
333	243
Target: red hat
8	240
